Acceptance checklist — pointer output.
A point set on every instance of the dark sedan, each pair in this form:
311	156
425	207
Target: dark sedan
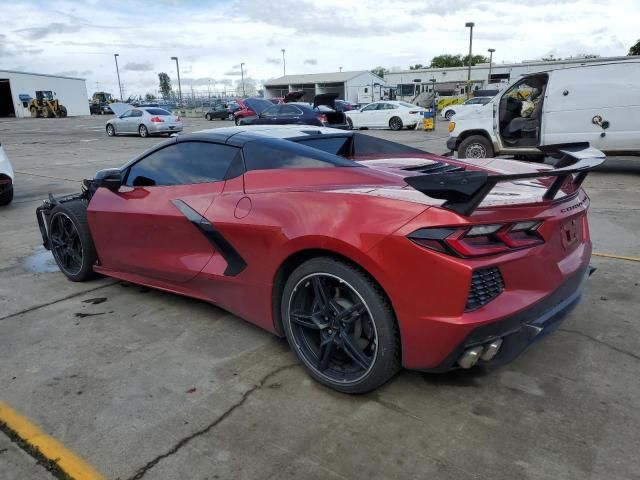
221	111
320	114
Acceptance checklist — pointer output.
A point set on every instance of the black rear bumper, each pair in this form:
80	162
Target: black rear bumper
518	332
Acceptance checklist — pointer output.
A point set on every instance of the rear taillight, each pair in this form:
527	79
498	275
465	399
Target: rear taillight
156	120
479	240
323	118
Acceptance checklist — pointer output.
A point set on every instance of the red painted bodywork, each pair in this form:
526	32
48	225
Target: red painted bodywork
362	214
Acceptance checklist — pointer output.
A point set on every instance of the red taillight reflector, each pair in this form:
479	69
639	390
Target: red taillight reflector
156	120
323	118
479	240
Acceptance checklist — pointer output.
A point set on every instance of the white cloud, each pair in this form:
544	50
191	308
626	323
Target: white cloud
212	38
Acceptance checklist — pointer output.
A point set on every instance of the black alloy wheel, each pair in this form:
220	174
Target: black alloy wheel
340	326
395	123
65	244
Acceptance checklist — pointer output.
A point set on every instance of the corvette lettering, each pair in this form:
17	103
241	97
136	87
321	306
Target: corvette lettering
572	207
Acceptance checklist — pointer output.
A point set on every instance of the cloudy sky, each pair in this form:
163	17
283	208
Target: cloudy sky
211	38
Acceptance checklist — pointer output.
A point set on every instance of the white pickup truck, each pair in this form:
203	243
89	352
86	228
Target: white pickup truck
595	103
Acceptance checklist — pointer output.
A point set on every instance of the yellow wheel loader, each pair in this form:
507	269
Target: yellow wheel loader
46	105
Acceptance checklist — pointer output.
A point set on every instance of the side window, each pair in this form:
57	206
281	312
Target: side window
126	114
368	108
136	113
271	111
389	106
183	163
290	110
261	156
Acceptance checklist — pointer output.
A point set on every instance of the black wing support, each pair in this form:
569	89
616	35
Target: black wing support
464	191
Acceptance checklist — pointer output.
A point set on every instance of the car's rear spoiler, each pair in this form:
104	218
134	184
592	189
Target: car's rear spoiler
464	191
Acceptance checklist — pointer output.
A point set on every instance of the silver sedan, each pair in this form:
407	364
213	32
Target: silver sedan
144	121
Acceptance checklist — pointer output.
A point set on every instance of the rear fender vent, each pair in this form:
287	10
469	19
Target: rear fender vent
486	284
436	167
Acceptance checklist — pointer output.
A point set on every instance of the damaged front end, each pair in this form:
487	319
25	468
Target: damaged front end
109	178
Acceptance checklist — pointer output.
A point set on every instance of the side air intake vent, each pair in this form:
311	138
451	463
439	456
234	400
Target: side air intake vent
436	167
486	284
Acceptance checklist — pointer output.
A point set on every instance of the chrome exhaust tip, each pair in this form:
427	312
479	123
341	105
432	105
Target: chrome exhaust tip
470	357
491	350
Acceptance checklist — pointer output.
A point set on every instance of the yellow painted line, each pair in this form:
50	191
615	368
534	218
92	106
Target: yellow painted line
617	257
49	447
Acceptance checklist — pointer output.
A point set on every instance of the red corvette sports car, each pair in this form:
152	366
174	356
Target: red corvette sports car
366	254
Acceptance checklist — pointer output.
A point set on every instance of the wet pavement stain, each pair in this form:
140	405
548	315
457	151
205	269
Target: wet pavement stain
84	315
95	301
41	261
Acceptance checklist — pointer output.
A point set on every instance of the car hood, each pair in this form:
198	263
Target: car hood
328	99
473	111
119	108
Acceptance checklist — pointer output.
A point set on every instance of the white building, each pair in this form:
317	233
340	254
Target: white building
17	87
452	81
355	86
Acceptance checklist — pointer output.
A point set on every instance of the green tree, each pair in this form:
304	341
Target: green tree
165	85
149	96
475	59
417	66
635	49
448	61
379	71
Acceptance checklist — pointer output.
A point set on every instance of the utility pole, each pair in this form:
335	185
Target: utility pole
470	25
179	86
491	50
242	77
115	56
284	65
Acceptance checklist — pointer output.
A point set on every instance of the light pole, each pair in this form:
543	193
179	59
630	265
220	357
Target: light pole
242	77
340	68
179	86
115	56
491	50
470	25
284	65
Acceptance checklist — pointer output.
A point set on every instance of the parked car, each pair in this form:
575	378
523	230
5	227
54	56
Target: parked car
365	254
386	114
449	111
143	121
344	106
250	107
596	103
6	178
221	111
319	114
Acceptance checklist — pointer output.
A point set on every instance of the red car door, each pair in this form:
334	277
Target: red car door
147	227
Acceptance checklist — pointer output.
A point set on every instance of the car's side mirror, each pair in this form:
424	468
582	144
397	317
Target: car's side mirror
110	178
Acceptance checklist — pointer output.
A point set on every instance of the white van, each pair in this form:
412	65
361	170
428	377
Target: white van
596	103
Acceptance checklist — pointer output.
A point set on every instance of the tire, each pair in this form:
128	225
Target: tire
34	112
353	356
237	120
412	127
475	146
111	131
46	113
70	241
230	116
63	111
395	123
449	115
350	123
142	131
6	197
208	117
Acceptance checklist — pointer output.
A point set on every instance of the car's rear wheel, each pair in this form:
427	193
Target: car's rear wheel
350	123
142	130
395	123
230	116
111	131
449	115
6	195
475	146
340	326
70	241
237	120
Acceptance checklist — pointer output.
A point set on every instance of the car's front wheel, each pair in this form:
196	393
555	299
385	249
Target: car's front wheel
340	326
230	116
475	146
449	115
111	131
6	196
70	241
208	117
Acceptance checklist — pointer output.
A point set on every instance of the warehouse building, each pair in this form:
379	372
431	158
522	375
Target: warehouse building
16	88
452	81
360	86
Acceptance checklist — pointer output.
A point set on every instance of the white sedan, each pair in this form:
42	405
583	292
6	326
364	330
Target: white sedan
6	179
449	111
385	114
